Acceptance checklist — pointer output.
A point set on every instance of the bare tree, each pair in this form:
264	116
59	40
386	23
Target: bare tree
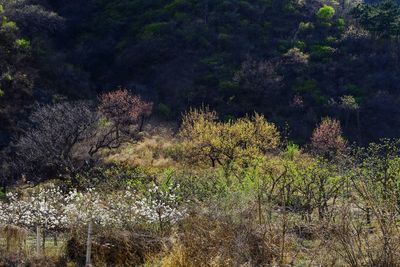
63	139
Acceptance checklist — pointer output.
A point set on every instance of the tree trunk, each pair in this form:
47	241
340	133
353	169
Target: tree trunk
44	241
8	242
141	123
38	240
368	216
89	245
260	217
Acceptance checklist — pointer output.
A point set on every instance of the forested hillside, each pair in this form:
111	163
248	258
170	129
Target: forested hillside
198	133
294	61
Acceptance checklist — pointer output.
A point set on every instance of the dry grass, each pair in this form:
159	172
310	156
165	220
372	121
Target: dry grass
203	240
151	151
114	247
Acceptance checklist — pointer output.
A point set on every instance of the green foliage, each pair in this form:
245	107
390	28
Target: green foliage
326	13
353	89
322	51
206	140
292	150
305	26
1	92
23	43
155	29
8	26
380	168
309	86
300	45
341	23
331	39
228	85
164	110
349	102
381	19
104	122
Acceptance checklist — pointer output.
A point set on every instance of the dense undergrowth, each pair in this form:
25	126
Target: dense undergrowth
227	194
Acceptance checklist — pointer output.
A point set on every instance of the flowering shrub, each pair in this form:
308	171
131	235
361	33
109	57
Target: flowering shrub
327	139
161	206
15	211
122	107
52	209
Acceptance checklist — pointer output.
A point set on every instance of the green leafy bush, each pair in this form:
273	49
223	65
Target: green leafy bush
322	51
341	23
300	44
326	13
305	26
331	39
23	43
8	25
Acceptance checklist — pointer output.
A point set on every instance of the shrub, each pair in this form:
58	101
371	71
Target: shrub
23	43
8	26
322	51
122	107
326	12
305	26
327	139
230	244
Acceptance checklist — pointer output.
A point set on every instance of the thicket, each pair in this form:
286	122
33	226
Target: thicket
235	193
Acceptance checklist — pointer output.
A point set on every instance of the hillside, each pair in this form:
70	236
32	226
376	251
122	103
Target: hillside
294	61
191	133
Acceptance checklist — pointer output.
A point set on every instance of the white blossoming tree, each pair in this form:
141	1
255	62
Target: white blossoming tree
50	210
161	205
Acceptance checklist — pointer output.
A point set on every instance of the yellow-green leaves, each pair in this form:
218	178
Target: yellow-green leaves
23	43
326	13
8	25
204	139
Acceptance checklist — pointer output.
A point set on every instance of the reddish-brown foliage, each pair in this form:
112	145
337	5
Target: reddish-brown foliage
121	106
327	138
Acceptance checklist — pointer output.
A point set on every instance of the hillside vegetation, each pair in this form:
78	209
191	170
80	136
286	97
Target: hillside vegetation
190	133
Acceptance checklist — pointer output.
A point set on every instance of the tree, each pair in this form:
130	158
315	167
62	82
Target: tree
124	109
349	105
64	138
32	17
326	13
199	130
51	142
382	19
379	167
327	139
260	82
204	139
16	75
